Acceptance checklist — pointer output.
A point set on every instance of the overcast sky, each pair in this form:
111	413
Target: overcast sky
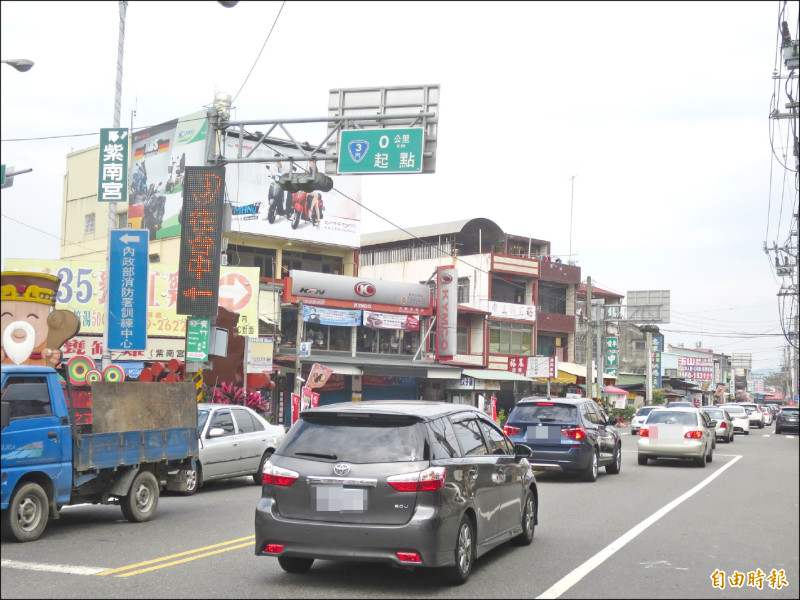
659	110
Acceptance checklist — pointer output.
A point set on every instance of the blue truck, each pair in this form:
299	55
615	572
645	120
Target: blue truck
107	443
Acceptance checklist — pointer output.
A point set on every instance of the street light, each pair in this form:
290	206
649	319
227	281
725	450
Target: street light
20	64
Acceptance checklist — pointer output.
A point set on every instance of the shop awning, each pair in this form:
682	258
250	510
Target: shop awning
563	377
343	369
494	375
572	368
610	389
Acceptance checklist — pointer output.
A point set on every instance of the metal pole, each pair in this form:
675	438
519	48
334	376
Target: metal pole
299	339
588	336
649	366
112	206
599	325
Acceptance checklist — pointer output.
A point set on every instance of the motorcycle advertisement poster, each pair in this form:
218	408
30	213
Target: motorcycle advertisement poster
252	190
160	155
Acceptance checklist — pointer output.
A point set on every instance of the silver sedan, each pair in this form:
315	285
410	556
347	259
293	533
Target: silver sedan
677	433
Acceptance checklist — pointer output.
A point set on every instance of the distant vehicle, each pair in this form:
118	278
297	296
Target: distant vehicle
724	423
407	483
679	432
680	403
571	435
639	418
741	420
788	420
234	442
754	413
768	418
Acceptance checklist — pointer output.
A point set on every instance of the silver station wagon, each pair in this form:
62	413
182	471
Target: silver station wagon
409	483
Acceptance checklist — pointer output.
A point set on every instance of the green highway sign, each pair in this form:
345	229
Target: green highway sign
369	151
198	338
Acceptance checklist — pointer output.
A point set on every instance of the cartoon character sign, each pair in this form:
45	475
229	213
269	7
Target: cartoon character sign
32	332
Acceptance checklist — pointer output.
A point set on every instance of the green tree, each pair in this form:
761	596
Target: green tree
658	397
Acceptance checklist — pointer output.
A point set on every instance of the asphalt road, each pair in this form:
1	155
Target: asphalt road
656	531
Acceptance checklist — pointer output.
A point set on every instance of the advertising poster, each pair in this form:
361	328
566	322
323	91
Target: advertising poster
295	408
159	157
331	316
249	186
83	287
381	320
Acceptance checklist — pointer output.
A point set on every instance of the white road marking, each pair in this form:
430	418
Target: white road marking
595	561
69	569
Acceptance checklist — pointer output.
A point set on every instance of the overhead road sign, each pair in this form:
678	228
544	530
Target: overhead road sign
381	150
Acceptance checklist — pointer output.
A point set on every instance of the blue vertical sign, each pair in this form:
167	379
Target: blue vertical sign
655	362
127	289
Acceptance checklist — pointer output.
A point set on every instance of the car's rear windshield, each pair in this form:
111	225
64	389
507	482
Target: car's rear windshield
789	411
715	414
357	441
735	408
644	411
669	417
543	412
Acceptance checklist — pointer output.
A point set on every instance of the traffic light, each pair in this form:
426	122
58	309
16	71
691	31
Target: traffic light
305	182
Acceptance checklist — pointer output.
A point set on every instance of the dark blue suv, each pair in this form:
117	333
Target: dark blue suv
571	435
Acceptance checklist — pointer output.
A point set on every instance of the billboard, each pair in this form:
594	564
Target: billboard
648	306
249	186
83	289
696	368
159	157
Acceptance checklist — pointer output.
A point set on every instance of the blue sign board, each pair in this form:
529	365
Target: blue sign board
655	362
127	289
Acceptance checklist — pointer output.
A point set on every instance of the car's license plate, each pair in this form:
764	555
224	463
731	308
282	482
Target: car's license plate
337	498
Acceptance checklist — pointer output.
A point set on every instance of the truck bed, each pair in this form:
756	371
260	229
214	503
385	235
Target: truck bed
108	450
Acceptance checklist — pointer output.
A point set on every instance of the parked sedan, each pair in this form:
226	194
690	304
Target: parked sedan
741	420
767	414
639	418
724	425
406	483
570	435
677	433
234	442
787	420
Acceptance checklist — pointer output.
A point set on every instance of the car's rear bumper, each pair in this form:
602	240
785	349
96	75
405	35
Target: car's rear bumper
671	449
429	532
570	458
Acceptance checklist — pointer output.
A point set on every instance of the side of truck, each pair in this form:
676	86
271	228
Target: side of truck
142	436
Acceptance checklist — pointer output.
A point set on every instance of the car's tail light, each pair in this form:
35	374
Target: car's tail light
694	435
575	433
544	404
273	548
644	433
272	475
409	557
509	430
723	425
428	480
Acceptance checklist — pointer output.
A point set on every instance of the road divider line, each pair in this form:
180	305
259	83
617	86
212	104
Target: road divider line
249	539
185	560
566	582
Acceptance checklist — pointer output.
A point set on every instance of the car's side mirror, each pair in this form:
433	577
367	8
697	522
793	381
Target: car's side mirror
713	422
613	420
522	451
216	432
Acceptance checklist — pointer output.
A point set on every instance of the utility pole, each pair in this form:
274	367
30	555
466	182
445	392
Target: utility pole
588	336
298	367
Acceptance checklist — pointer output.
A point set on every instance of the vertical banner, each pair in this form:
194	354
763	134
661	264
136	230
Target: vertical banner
446	311
494	408
127	290
295	408
112	184
319	375
314	399
655	363
201	241
305	400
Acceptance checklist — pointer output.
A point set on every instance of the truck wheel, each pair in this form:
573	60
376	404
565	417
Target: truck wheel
27	513
257	476
141	502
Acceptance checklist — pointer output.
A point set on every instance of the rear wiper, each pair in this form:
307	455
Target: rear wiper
315	455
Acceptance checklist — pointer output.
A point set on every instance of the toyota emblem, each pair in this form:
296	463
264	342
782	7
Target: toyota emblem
341	469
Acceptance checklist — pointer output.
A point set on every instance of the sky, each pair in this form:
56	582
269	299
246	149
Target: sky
634	136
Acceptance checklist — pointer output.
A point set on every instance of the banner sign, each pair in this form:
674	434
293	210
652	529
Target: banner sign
295	408
382	320
535	367
260	351
362	291
201	241
112	184
319	376
83	291
162	349
509	310
446	311
655	362
331	316
249	186
160	156
197	338
695	368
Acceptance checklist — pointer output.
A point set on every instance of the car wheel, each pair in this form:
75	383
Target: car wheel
27	514
528	521
615	466
710	455
747	433
464	553
700	461
642	460
193	478
777	430
142	499
590	474
257	476
732	438
295	564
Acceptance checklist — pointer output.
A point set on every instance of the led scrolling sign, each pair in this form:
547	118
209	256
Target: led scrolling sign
201	240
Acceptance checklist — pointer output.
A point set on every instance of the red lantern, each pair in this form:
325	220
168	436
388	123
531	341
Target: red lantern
146	375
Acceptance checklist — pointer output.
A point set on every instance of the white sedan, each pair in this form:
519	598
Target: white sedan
741	420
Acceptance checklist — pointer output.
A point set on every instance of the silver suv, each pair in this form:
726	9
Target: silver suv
409	483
